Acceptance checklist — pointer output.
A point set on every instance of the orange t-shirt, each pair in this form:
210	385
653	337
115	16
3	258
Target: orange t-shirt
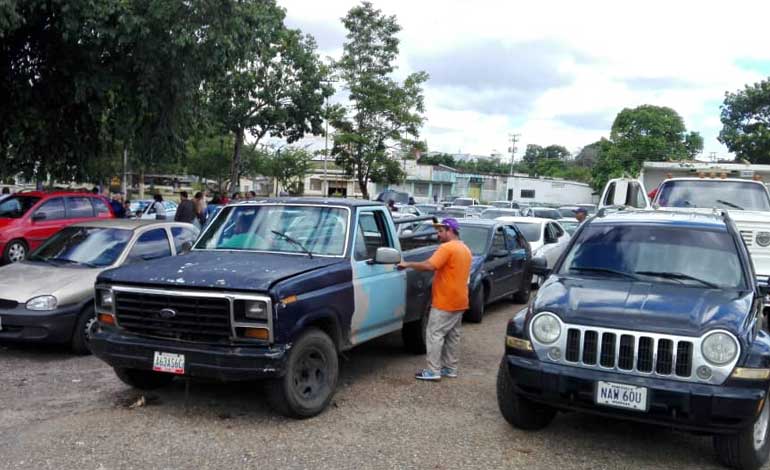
452	261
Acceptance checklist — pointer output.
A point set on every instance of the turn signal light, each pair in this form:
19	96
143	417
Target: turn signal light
751	374
256	333
106	319
518	343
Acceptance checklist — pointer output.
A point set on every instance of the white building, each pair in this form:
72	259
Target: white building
552	191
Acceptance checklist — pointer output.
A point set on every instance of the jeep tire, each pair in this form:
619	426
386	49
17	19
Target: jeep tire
517	410
748	449
143	379
312	370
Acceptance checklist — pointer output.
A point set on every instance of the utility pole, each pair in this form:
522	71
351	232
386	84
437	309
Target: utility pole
513	139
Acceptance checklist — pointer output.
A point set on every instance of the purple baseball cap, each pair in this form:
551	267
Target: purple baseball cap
580	210
449	223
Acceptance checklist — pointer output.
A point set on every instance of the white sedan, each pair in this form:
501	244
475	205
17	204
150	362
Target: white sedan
546	237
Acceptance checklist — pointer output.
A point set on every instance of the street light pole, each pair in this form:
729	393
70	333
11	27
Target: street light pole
514	138
325	185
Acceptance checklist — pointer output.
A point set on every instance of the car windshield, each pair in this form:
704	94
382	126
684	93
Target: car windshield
495	213
278	228
547	213
702	258
567	212
16	206
531	231
741	195
476	238
462	201
87	246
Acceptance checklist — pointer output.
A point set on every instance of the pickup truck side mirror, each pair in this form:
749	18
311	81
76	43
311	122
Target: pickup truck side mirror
539	266
763	288
39	216
386	255
498	253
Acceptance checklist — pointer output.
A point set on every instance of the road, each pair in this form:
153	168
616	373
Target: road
59	411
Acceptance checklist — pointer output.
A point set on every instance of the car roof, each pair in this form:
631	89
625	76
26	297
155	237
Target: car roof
481	222
664	217
536	208
315	201
130	224
55	193
521	219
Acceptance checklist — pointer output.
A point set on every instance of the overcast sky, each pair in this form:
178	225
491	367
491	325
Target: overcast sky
559	72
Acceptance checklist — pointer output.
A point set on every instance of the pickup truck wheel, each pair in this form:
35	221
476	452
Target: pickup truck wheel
84	329
413	334
749	448
517	410
143	379
312	369
476	313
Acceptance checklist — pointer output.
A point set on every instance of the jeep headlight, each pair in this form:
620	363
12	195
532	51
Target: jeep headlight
719	348
546	328
42	303
763	238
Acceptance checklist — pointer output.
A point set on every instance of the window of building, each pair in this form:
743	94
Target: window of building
421	189
315	184
527	193
490	184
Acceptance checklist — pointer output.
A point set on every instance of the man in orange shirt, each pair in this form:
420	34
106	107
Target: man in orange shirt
451	264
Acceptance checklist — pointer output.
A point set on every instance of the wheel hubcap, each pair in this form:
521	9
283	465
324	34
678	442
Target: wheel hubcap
310	376
90	329
760	427
16	252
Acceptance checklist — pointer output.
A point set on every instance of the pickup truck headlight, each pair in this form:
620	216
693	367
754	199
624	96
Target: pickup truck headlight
719	348
546	328
42	303
252	310
104	299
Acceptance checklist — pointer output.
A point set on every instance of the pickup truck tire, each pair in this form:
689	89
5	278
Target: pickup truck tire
478	300
143	379
517	410
312	370
413	334
84	328
750	448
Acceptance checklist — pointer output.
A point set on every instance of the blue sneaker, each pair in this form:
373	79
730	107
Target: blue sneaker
427	374
447	372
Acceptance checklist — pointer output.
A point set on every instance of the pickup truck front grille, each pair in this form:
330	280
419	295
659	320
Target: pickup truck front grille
202	319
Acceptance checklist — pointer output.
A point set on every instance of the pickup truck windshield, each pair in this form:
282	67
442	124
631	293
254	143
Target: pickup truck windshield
86	246
739	195
278	228
696	258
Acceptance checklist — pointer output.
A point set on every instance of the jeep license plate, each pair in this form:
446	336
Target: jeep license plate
168	362
621	396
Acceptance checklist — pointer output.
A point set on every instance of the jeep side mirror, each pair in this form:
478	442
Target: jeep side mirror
539	266
386	255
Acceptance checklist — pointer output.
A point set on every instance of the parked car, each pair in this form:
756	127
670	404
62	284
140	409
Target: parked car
495	213
428	209
49	297
500	268
271	290
650	316
568	212
504	204
546	237
27	219
407	209
542	212
479	208
399	197
458	212
570	225
149	213
465	201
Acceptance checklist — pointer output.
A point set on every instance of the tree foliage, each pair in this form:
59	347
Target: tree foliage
383	113
289	165
745	117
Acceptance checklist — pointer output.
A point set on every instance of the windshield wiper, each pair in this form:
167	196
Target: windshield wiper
730	204
291	240
678	276
594	269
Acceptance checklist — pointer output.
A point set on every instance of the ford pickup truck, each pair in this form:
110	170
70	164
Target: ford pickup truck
270	290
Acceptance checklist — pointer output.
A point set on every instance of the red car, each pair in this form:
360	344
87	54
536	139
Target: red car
27	219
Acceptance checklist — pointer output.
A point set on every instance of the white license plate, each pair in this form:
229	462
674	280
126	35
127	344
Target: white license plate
621	396
168	362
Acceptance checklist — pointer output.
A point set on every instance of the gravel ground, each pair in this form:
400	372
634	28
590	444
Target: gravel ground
59	411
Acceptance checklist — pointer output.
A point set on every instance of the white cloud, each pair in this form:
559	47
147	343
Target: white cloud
559	72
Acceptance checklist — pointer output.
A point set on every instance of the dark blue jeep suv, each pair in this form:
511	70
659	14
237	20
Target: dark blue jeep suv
650	316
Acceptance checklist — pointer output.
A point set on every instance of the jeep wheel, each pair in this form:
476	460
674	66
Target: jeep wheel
15	251
413	334
143	379
312	369
84	330
476	313
749	448
517	410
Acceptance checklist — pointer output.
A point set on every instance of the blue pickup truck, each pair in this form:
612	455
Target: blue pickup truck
650	316
270	290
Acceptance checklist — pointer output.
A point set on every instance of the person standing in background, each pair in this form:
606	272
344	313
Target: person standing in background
158	207
186	210
117	206
200	207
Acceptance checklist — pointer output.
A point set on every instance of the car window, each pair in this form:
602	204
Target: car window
100	206
557	230
150	245
182	235
512	238
371	234
498	240
53	209
16	206
79	207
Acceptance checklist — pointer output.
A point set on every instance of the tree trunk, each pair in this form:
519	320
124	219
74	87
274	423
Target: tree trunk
235	169
141	183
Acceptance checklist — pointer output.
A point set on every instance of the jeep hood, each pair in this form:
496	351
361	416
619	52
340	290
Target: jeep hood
227	270
644	306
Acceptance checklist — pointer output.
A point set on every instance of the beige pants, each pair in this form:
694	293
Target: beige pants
443	339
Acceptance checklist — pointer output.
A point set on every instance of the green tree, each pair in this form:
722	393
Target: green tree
745	117
558	152
588	155
289	165
532	154
383	113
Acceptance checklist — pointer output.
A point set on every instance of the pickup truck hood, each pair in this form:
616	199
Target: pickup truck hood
228	270
644	306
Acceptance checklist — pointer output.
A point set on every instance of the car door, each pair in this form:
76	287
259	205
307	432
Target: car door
562	238
45	221
379	290
550	244
624	192
498	264
518	251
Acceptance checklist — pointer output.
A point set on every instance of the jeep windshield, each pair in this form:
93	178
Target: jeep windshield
653	253
314	230
738	195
